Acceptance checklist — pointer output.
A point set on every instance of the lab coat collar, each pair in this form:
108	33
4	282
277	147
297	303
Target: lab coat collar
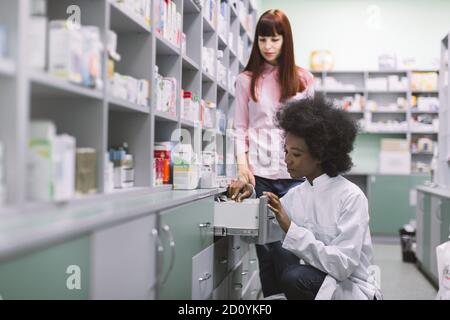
320	181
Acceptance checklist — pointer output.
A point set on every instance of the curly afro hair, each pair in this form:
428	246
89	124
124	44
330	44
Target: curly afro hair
328	132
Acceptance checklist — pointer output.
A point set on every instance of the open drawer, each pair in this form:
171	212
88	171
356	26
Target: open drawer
249	218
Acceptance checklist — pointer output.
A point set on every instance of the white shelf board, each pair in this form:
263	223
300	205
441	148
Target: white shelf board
423	132
125	20
425	92
387	71
422	153
165	47
206	76
129	191
164	116
190	64
46	84
207	25
392	111
384	132
233	11
190	7
7	67
233	54
222	41
220	86
189	123
162	188
387	91
419	112
343	91
117	104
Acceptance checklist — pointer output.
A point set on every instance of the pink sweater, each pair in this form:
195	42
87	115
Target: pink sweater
254	122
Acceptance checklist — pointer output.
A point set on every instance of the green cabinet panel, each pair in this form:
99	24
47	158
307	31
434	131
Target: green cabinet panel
445	217
426	232
48	273
389	202
191	227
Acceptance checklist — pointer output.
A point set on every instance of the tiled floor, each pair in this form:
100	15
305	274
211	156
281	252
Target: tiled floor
399	280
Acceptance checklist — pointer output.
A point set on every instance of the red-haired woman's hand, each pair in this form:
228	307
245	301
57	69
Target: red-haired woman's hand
245	175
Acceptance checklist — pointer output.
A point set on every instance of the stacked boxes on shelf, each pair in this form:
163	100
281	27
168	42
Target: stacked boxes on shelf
210	11
123	166
166	88
128	88
190	108
395	157
221	69
51	164
208	57
37	34
75	53
141	8
162	163
209	110
168	21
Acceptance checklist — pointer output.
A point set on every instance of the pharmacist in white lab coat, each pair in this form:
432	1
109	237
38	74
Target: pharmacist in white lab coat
328	245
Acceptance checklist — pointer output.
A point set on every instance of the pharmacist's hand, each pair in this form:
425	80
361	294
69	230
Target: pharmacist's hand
245	175
239	190
277	208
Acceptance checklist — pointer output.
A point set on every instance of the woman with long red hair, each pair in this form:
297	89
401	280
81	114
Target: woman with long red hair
270	79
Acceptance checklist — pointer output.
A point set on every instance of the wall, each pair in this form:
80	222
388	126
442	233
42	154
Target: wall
356	31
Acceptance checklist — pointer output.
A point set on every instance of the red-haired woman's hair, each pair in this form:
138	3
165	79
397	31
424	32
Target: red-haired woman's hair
274	22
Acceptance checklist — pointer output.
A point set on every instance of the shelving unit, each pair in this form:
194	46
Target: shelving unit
93	116
442	177
356	82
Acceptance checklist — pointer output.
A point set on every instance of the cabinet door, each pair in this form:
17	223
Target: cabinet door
58	272
445	220
185	231
426	239
435	232
389	204
419	225
203	274
123	260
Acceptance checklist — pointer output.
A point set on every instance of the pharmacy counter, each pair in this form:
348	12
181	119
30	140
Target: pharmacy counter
42	226
440	192
433	227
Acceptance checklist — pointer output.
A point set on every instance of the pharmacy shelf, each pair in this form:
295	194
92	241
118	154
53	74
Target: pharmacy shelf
125	20
422	153
425	92
222	41
423	132
164	116
7	68
384	132
190	7
162	188
424	112
165	47
207	25
189	124
388	112
47	85
207	77
93	116
341	91
117	104
387	91
190	64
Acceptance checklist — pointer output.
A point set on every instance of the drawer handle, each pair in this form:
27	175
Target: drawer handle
237	286
223	261
244	273
252	261
206	277
236	248
204	225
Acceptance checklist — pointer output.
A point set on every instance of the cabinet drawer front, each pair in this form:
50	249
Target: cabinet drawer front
221	258
236	285
234	251
251	292
221	292
203	274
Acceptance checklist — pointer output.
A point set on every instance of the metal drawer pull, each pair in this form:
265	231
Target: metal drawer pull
236	248
206	277
244	273
223	261
237	286
252	260
204	225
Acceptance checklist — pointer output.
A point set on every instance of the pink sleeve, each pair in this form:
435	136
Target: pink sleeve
309	80
241	117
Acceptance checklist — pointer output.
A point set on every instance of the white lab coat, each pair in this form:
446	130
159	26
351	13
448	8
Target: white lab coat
330	231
